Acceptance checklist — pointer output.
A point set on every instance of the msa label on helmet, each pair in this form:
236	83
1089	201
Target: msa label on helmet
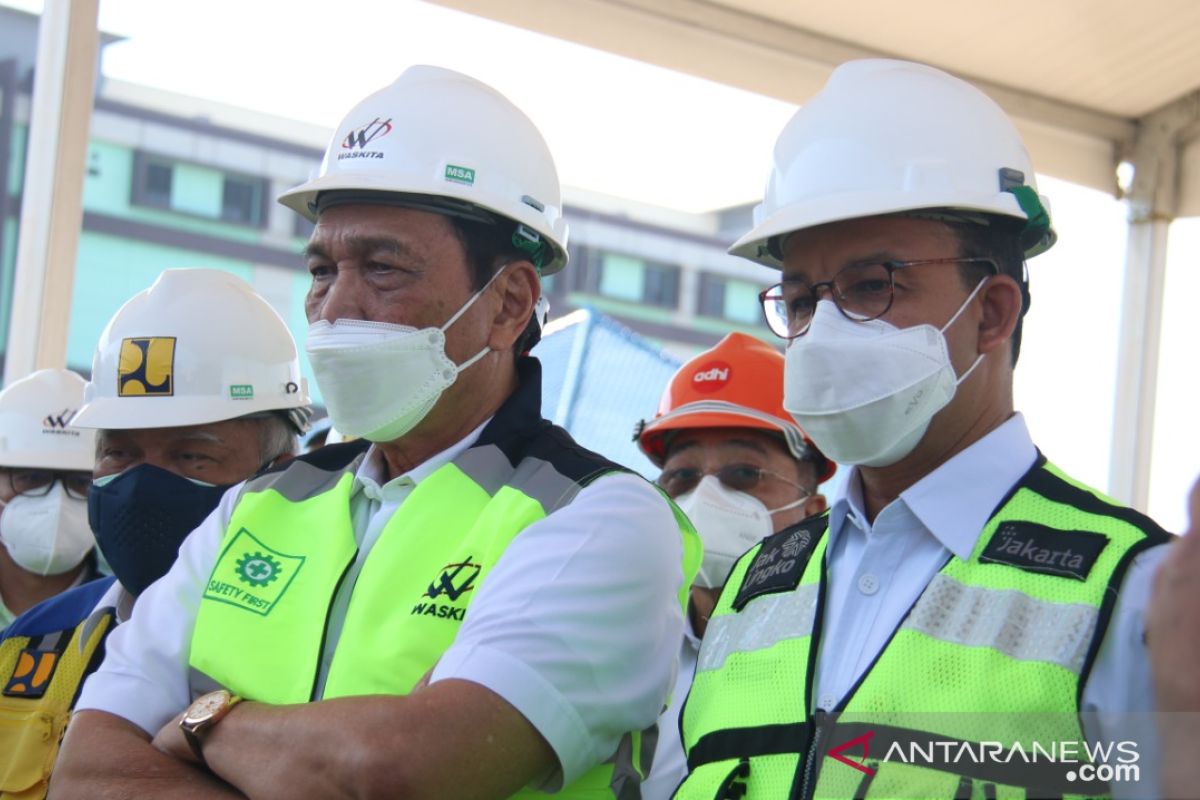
711	376
147	367
241	391
463	175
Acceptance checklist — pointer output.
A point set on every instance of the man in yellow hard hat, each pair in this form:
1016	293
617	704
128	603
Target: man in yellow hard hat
741	469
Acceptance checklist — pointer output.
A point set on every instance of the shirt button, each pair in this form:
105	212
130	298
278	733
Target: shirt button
868	584
827	702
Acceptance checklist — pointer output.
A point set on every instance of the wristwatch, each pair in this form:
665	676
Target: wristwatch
207	710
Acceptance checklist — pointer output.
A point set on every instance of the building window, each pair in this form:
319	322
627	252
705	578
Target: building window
712	296
198	191
241	200
628	278
302	227
661	286
733	300
158	185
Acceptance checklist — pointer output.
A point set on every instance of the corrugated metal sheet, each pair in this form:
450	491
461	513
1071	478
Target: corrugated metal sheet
598	380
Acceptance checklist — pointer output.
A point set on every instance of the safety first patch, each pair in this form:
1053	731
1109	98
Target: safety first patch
251	575
781	560
1045	550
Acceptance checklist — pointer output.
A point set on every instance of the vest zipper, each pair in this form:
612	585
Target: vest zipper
337	587
802	785
807	785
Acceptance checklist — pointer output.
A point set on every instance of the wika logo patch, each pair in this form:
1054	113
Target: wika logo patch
147	367
1049	551
454	581
251	575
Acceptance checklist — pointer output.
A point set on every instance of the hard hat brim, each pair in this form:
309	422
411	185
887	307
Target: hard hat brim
857	205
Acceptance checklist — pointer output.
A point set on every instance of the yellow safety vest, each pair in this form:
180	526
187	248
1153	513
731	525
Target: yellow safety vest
994	652
261	624
42	675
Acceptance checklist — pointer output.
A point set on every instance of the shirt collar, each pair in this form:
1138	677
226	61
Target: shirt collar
955	501
371	470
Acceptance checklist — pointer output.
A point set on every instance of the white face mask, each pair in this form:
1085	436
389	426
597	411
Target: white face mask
46	535
866	391
380	380
729	524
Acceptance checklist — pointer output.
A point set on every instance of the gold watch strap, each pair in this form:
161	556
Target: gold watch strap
194	742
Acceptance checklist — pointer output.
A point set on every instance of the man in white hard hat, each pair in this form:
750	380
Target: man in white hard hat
45	472
741	469
961	589
446	607
195	387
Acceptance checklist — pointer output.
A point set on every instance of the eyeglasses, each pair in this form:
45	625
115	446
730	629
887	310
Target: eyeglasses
862	292
738	477
38	482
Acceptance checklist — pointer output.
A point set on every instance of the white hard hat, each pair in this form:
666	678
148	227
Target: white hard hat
456	146
885	137
35	429
198	346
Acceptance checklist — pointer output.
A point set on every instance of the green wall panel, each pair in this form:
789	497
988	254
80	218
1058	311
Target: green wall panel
109	271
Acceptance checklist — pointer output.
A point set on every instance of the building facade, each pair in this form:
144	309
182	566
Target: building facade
174	181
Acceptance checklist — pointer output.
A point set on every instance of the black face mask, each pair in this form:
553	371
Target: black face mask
142	516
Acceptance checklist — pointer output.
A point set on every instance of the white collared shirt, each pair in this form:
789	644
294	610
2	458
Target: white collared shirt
876	571
580	638
670	763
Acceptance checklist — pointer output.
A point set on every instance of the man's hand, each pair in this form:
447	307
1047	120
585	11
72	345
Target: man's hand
104	756
1173	621
1173	638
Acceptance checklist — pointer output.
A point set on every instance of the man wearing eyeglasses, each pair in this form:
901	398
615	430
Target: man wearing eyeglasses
742	470
961	588
45	472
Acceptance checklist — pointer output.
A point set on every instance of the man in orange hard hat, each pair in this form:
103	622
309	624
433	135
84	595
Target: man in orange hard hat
742	470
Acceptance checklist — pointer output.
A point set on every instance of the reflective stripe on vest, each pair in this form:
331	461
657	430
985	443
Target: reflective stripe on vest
1011	631
41	676
261	624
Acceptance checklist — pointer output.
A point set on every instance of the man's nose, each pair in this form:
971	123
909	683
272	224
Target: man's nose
343	299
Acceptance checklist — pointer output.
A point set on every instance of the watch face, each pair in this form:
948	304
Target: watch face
206	706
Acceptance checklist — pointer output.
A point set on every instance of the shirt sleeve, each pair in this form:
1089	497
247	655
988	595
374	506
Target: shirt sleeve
1118	698
144	676
578	624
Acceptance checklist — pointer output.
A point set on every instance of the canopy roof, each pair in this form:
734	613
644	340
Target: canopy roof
1079	76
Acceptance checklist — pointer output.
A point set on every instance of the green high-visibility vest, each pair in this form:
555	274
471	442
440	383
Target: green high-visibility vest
261	624
995	651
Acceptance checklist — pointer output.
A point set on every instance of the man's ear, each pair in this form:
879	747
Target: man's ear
1001	299
518	289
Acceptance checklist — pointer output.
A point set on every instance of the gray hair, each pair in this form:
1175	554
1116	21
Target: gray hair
276	435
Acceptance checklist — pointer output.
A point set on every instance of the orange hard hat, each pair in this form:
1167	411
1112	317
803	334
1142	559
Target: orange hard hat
737	384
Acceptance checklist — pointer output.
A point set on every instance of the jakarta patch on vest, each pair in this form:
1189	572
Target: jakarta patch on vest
251	575
1049	551
780	562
